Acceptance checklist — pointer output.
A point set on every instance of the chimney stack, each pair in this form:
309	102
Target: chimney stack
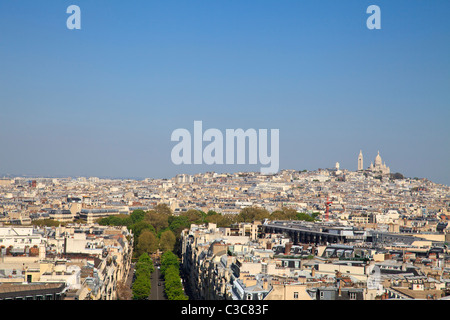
287	248
42	252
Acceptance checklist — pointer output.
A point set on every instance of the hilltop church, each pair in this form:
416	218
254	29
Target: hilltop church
378	167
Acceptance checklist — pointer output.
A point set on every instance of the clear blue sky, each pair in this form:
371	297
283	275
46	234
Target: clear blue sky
104	100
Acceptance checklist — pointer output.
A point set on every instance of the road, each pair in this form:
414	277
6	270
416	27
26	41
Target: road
157	292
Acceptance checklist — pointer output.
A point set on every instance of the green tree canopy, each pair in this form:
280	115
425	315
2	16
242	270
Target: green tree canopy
167	241
168	259
140	226
137	215
147	242
141	288
194	216
144	266
173	285
178	223
163	209
116	220
284	214
211	213
158	220
142	284
304	216
250	214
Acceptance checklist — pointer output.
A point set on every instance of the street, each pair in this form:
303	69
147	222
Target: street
157	291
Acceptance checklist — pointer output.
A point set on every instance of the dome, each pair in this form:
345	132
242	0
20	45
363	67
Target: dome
378	159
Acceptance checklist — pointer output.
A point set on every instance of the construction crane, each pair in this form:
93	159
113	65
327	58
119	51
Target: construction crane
327	210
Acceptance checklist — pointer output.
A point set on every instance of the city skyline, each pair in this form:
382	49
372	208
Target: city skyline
103	100
378	167
241	237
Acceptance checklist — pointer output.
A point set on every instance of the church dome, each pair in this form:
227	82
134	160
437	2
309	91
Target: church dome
378	159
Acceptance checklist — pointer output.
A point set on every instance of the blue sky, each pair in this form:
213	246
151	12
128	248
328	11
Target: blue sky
104	100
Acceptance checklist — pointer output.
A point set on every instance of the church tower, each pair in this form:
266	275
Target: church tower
360	161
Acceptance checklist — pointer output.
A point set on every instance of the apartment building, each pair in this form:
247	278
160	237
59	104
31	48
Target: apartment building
271	267
89	260
19	239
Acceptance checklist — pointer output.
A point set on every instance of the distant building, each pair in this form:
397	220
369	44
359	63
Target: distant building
377	166
336	293
61	215
83	262
360	161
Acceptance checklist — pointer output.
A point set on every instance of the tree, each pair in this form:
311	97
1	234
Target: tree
137	215
211	213
304	217
250	214
142	283
216	218
147	242
193	216
167	241
141	288
144	259
173	285
140	226
157	219
178	223
144	266
168	259
396	175
116	220
284	214
163	209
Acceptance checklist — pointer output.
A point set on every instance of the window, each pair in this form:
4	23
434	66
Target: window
353	296
264	268
322	295
295	295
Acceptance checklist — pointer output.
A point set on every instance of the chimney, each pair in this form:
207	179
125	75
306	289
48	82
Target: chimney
339	288
41	252
265	284
287	248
